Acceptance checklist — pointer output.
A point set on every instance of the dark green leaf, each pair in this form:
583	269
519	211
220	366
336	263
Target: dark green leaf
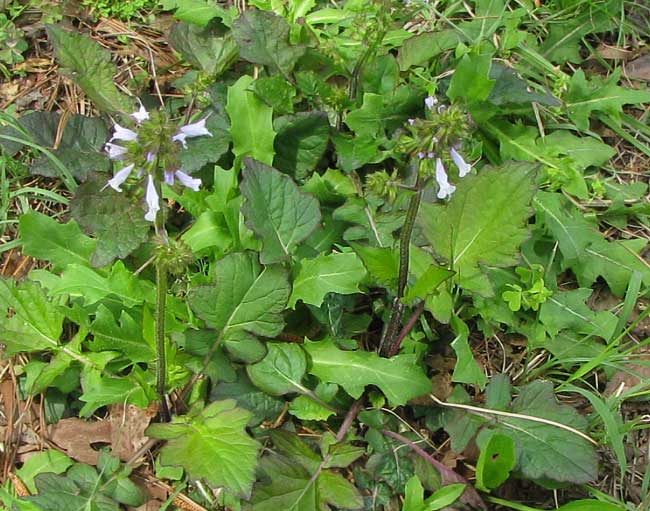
301	142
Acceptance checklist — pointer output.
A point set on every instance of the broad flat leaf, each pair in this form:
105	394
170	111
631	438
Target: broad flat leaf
125	336
496	460
276	92
381	75
281	371
484	223
263	38
81	281
369	222
545	451
28	320
306	409
615	261
246	296
276	210
212	444
203	47
510	88
368	120
567	310
90	67
382	263
116	220
48	461
598	94
198	12
59	493
301	142
251	122
421	48
100	390
590	505
400	378
334	273
471	80
355	152
61	244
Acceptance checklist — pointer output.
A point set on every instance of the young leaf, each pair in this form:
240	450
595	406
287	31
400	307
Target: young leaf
251	122
276	210
496	460
466	370
246	296
212	444
334	273
400	378
49	461
91	68
61	244
263	38
281	371
484	223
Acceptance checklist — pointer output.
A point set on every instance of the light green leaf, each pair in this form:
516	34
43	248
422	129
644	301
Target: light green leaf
61	244
382	263
307	409
334	273
251	122
100	390
263	38
90	66
276	210
400	377
471	80
198	12
485	222
444	497
125	337
212	444
495	462
45	461
246	296
28	320
590	505
369	119
281	371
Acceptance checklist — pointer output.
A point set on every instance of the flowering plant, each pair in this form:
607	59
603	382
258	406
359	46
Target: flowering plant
151	150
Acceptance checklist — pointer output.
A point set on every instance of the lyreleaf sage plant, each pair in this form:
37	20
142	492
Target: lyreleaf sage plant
434	142
150	151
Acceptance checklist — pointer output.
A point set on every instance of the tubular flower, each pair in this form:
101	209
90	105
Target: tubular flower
150	150
430	102
196	129
152	199
464	168
445	188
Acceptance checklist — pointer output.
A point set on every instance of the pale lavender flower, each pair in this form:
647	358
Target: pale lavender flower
192	183
196	129
464	168
141	115
445	188
411	122
115	152
151	157
169	177
122	133
441	108
120	177
430	102
152	199
431	156
422	155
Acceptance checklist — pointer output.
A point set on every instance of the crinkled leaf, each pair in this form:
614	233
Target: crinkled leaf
246	296
334	273
400	378
276	92
212	444
301	142
485	222
251	122
90	67
281	370
116	220
276	210
203	47
61	244
263	38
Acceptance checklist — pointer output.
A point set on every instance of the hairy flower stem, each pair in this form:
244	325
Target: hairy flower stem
161	361
386	346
